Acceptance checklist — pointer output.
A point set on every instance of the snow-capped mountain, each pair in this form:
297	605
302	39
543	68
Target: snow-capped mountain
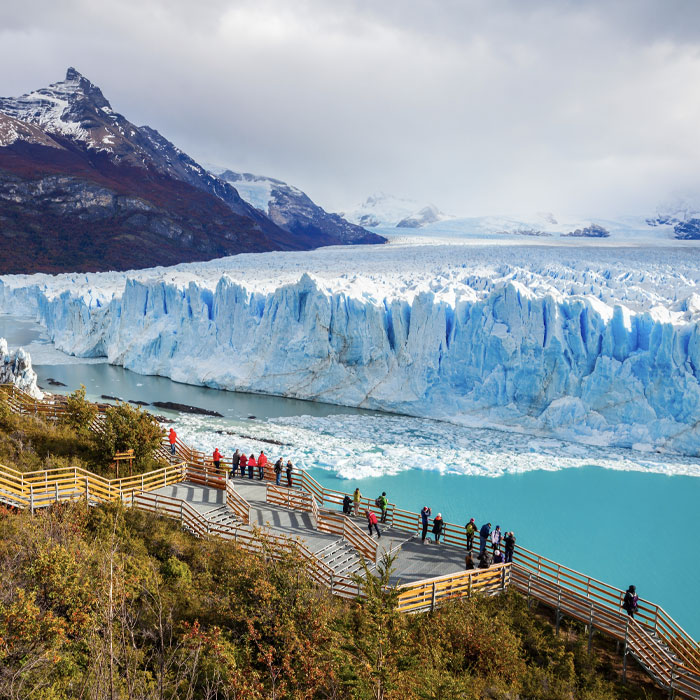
683	213
292	210
427	215
83	188
385	211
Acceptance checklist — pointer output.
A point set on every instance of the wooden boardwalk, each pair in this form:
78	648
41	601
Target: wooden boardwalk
307	521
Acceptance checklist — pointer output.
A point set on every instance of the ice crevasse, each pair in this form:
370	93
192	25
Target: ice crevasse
547	363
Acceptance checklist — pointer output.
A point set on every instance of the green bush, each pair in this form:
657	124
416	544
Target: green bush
80	413
130	428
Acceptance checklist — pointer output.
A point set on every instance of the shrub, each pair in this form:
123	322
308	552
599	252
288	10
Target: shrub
80	413
129	428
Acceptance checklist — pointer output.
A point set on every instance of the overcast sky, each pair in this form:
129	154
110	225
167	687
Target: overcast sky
500	106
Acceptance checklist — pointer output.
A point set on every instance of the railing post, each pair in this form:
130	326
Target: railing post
56	497
165	477
87	492
31	498
142	482
558	614
590	629
432	599
624	653
529	584
181	516
671	689
469	590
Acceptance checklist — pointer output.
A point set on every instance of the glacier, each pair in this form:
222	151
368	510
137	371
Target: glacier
16	368
593	344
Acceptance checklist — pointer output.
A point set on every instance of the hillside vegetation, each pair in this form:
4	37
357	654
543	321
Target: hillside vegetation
109	602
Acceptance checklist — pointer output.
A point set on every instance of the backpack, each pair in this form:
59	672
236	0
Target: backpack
378	501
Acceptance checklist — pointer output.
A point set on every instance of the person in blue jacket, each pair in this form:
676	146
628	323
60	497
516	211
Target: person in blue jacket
424	516
484	538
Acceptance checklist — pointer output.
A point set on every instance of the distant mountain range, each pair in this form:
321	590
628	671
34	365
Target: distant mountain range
386	211
291	209
84	189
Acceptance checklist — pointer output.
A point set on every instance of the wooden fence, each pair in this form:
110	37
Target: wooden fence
425	595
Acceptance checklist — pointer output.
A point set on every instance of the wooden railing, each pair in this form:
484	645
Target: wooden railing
338	524
237	503
289	498
42	488
254	540
425	595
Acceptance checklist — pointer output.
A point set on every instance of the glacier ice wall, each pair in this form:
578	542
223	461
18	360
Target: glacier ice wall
16	368
507	357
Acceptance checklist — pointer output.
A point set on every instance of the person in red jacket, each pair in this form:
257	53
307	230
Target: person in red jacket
172	438
217	458
243	463
262	461
251	464
372	522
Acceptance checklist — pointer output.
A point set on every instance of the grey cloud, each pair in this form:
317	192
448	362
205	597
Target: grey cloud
478	107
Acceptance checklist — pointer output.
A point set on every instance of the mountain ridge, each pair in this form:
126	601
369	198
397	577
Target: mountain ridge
84	189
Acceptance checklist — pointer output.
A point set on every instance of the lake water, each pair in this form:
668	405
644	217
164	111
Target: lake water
625	524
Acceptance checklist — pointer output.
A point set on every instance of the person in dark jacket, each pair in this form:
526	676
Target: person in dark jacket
471	529
290	468
509	542
347	505
631	601
424	517
498	557
484	538
438	525
468	561
278	471
234	463
484	560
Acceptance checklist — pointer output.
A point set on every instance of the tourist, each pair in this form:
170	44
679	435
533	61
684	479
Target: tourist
278	471
484	538
356	498
251	465
372	522
243	463
382	502
172	438
424	516
631	601
234	463
262	461
216	458
484	560
498	557
472	528
347	504
290	469
509	541
468	561
438	525
496	538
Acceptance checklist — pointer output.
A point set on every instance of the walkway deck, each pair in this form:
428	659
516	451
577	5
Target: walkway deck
414	561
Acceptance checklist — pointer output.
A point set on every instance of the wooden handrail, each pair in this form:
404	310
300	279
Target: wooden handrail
237	503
